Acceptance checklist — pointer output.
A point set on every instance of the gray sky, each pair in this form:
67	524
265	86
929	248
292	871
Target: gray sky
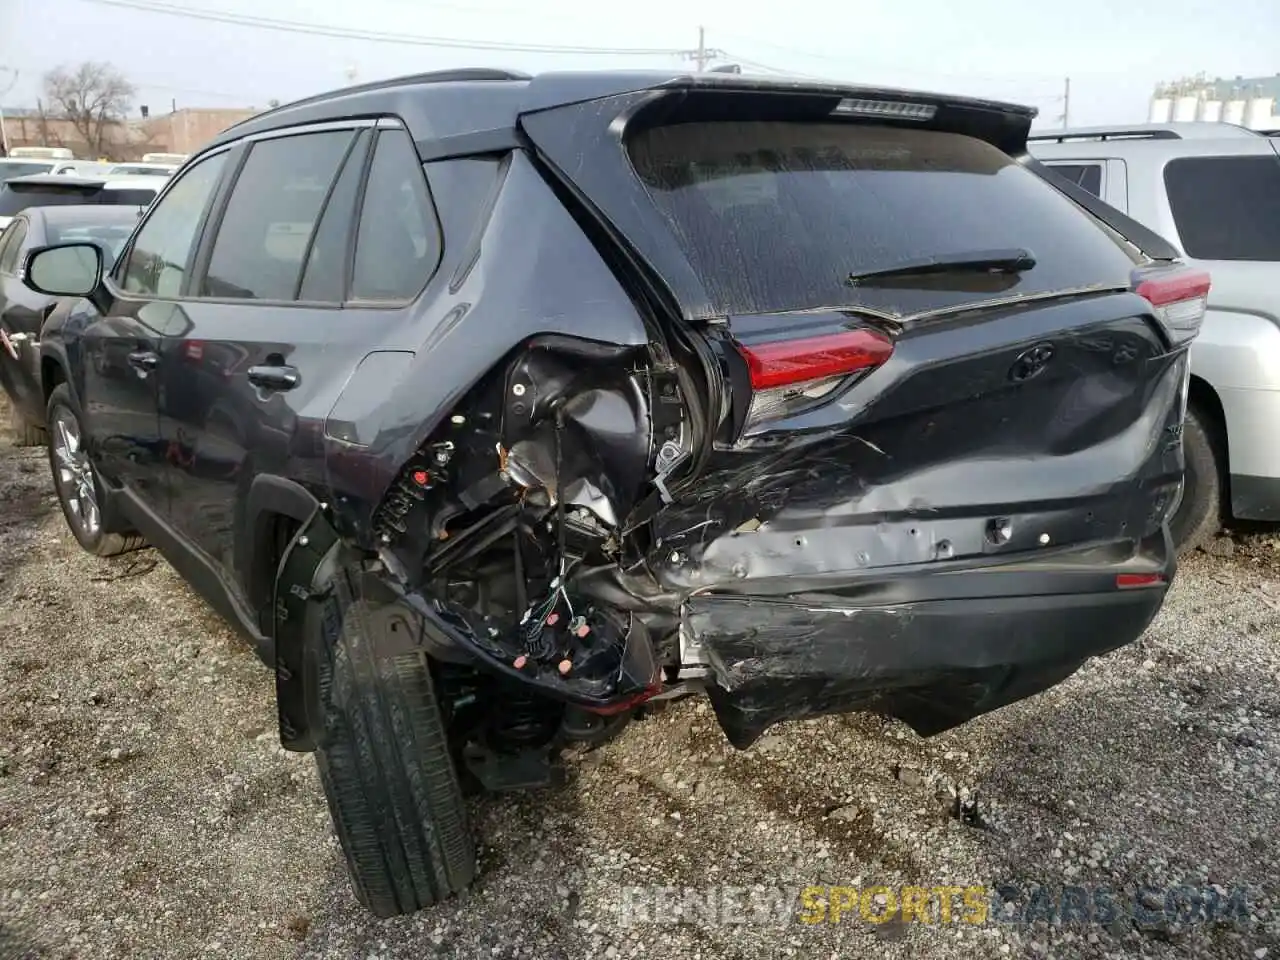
1113	50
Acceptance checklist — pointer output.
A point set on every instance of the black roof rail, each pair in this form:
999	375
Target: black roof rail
463	75
1106	135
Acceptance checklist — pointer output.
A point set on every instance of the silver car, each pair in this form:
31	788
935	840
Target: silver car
1213	190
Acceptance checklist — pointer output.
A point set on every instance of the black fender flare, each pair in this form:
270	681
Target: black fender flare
268	496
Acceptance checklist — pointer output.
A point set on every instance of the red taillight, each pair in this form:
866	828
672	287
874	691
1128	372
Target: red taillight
789	376
784	363
1178	297
1128	581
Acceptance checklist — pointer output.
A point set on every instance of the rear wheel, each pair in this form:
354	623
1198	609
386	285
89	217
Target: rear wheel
385	763
1198	514
78	486
25	433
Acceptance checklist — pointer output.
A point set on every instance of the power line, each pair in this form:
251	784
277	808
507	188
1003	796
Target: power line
375	36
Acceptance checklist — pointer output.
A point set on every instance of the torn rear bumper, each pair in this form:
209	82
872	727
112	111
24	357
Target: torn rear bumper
932	650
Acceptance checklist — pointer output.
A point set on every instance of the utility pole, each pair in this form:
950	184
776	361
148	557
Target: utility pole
1066	103
703	54
4	134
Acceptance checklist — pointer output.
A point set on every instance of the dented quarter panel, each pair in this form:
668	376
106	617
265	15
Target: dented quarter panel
486	299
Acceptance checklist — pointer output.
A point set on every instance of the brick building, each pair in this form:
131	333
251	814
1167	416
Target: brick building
182	131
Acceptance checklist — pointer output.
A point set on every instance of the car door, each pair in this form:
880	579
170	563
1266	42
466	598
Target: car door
118	360
288	301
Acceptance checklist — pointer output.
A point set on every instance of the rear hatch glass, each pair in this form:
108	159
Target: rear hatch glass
21	168
14	198
776	216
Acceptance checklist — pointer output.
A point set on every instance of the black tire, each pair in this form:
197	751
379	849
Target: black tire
1198	516
108	539
25	433
385	763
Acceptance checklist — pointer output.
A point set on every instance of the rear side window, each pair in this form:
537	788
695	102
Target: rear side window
1087	176
1226	208
398	243
262	241
777	216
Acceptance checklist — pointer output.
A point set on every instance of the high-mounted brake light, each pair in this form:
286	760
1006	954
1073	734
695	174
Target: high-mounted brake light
889	109
1179	299
788	376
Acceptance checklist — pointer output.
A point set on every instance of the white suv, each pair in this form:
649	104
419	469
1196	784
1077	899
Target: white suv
1213	190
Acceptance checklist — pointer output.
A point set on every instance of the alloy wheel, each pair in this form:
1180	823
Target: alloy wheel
75	473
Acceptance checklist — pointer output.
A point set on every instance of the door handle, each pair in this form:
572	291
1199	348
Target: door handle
280	377
144	360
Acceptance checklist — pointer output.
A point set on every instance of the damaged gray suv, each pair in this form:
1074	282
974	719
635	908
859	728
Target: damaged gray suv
494	407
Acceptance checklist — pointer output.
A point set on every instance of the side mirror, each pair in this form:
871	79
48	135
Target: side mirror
65	270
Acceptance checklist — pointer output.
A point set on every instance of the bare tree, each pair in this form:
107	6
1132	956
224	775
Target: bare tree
93	98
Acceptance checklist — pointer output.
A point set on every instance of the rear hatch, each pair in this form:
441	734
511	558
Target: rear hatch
55	191
918	352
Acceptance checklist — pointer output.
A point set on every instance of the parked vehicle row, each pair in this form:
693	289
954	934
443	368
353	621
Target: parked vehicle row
490	407
1213	190
23	311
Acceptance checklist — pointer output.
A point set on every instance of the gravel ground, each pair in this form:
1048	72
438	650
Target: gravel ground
147	810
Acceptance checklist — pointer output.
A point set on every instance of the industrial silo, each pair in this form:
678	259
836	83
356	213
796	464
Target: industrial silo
1161	110
1233	112
1185	109
1257	116
1211	111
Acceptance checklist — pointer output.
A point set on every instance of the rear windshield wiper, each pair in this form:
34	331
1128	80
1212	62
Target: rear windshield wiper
1012	260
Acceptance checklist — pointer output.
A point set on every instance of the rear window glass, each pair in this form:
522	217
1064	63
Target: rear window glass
13	200
17	168
127	198
776	216
1226	208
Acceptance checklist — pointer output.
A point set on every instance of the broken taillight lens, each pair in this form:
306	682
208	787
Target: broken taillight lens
1179	298
789	376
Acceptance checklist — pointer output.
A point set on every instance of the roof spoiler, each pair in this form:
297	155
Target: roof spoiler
1147	240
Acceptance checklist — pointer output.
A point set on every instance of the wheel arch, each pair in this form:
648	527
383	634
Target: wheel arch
275	509
1204	398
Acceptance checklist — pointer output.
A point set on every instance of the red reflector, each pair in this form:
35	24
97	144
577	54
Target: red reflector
1125	581
785	362
420	477
626	703
1183	285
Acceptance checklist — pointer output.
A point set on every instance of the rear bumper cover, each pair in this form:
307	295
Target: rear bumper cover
934	660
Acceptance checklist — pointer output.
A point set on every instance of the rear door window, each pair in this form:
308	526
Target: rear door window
777	216
262	240
1226	208
398	242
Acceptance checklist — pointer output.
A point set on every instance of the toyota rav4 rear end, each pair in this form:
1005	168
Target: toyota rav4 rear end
928	422
817	399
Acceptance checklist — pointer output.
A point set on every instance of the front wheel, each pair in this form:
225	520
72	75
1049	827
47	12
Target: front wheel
1197	516
76	482
385	762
